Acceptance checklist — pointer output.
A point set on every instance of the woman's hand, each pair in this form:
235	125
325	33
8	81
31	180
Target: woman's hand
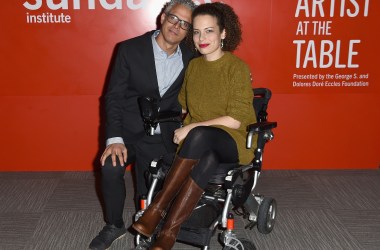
181	133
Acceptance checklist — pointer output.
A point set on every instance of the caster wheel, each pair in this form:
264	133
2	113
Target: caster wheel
267	215
239	244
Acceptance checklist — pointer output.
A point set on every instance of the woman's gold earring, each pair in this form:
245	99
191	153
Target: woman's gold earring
221	44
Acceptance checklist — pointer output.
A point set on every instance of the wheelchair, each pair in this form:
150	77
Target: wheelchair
229	192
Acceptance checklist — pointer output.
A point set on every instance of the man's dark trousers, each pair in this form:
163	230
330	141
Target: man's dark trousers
113	183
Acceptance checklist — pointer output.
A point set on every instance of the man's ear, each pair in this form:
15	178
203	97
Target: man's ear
163	16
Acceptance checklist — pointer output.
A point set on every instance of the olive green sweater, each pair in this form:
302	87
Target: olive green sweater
220	88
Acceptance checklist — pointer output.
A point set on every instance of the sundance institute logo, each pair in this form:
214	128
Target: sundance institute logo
54	5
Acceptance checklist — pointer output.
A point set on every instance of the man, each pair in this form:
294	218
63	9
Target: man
149	65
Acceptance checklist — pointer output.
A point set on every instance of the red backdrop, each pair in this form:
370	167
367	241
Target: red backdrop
319	59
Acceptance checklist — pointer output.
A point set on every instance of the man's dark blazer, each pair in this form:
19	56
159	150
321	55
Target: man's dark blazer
133	75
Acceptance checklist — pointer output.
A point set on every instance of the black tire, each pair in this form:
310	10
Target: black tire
247	245
267	215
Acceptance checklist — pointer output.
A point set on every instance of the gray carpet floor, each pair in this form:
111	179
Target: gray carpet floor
316	210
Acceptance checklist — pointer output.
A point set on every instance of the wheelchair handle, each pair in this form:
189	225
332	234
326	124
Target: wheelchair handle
151	115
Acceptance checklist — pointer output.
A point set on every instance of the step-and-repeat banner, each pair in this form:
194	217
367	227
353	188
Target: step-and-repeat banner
319	58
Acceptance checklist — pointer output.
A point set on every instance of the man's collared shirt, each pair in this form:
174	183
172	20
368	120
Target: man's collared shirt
168	67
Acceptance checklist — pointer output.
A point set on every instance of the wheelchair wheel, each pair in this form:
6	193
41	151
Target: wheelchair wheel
267	215
239	244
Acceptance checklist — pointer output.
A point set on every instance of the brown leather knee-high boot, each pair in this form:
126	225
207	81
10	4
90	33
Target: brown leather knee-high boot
181	209
152	216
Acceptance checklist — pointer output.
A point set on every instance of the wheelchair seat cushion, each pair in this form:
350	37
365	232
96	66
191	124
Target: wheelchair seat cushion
221	172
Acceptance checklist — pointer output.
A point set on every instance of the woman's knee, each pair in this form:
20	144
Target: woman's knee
194	145
197	135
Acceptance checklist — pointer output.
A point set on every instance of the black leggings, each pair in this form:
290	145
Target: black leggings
212	146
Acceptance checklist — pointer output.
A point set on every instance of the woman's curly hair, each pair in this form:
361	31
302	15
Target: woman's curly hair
226	19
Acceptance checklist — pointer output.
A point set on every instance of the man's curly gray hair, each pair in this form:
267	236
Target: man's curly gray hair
188	3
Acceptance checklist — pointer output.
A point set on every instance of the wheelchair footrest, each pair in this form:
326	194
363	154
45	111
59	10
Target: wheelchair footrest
199	228
195	236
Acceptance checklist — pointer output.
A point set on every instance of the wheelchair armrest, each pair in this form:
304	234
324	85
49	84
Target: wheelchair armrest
258	128
261	126
169	116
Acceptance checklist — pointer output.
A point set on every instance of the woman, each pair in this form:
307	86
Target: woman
217	96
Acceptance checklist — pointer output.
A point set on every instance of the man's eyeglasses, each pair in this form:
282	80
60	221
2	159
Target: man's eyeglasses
173	19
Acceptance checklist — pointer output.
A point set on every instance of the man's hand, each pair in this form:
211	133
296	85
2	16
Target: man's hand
115	150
